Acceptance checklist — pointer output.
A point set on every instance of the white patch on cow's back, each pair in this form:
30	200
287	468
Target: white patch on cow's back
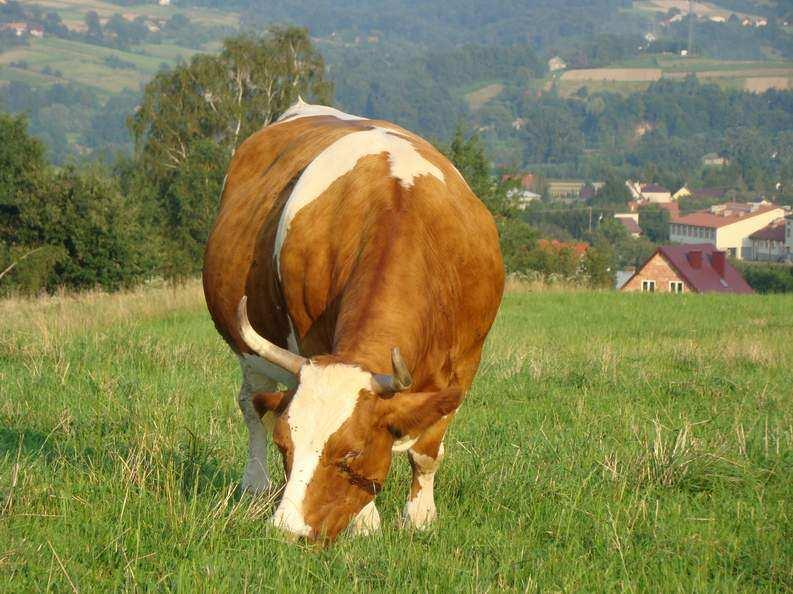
302	109
340	158
325	399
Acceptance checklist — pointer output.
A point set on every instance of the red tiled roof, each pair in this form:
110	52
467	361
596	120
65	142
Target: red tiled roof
629	224
705	218
704	279
709	193
526	180
579	248
775	231
672	207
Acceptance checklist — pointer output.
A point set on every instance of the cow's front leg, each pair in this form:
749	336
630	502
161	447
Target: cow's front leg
367	521
255	480
420	509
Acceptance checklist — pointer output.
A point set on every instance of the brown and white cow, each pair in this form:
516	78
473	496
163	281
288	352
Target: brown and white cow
350	262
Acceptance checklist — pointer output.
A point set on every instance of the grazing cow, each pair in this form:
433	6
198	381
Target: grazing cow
350	262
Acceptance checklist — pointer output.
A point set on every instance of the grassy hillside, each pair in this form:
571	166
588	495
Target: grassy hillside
85	63
611	441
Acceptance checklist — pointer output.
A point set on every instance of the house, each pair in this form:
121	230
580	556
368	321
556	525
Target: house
650	37
19	29
768	244
556	63
728	226
644	193
714	160
526	180
656	193
569	188
623	276
689	268
630	220
164	2
37	32
521	198
789	237
701	193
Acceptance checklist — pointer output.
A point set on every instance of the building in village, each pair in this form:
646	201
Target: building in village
789	238
714	160
689	268
727	226
571	189
648	193
701	193
768	244
630	220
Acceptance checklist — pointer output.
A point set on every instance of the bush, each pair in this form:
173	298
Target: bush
767	278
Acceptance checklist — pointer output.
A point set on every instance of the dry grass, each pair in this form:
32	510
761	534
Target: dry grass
54	317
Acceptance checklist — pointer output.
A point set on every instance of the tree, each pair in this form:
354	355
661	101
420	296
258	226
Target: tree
227	97
21	167
613	192
192	119
93	228
654	222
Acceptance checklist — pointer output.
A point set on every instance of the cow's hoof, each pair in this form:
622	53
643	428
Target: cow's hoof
255	485
418	516
366	522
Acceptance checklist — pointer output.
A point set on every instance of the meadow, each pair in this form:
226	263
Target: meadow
611	442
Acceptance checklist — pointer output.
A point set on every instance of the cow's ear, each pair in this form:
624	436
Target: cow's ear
411	413
264	402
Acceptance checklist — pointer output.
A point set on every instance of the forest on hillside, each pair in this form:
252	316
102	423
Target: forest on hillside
418	63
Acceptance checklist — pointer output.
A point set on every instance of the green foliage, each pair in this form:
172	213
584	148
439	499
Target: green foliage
613	193
194	117
766	278
654	222
21	166
69	228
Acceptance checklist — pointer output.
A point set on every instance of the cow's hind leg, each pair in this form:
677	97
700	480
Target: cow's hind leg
256	479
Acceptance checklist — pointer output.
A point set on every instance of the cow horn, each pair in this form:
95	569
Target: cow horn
264	348
390	384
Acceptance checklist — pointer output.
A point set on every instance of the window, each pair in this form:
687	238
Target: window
648	286
675	286
732	251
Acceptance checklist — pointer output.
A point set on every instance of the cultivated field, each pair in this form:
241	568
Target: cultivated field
84	63
701	9
611	442
633	75
478	98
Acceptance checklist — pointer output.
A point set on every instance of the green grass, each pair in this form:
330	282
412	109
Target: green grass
610	442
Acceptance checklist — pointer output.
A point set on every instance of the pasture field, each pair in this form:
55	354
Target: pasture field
611	442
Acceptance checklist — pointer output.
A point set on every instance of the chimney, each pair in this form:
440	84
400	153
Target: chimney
695	259
718	261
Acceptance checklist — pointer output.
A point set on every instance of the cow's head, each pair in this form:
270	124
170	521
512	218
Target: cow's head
335	431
